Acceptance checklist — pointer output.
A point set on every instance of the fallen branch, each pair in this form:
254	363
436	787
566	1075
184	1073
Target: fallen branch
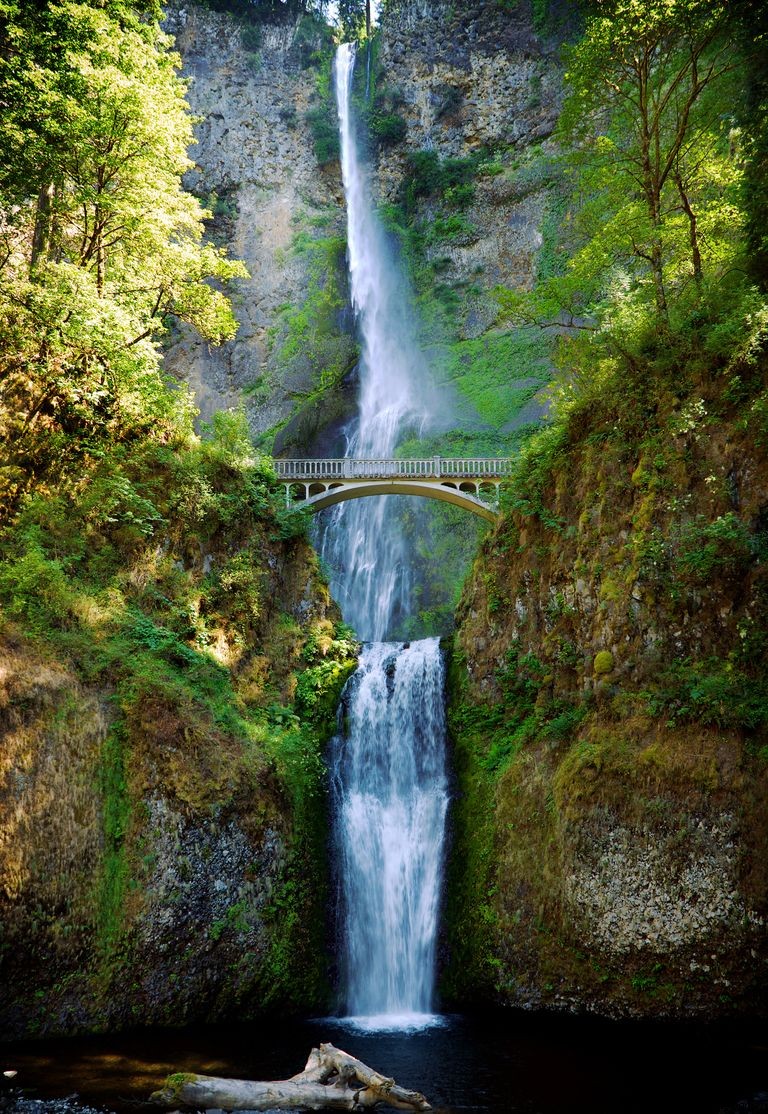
331	1080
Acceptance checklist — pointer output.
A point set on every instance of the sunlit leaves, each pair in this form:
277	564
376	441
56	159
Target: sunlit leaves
100	246
652	156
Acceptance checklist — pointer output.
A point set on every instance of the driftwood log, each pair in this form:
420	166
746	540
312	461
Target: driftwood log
331	1080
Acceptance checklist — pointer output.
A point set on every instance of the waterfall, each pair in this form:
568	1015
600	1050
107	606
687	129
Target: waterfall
362	544
388	780
390	795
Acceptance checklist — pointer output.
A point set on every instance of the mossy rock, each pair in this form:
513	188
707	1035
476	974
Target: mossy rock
603	662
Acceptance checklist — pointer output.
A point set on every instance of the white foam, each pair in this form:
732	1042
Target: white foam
390	1022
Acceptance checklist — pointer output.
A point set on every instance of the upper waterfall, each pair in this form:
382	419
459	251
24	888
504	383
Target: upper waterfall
393	375
362	543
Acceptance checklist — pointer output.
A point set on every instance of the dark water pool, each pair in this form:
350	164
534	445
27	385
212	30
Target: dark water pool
498	1062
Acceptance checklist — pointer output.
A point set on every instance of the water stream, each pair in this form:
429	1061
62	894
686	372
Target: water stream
389	793
362	542
389	787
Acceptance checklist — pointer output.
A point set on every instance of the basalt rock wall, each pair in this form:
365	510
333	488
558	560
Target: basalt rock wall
606	692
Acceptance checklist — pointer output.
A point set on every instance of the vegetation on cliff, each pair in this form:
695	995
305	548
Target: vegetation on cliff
609	702
172	660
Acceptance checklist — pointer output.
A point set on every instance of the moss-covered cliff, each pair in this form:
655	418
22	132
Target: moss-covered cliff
609	708
171	659
165	703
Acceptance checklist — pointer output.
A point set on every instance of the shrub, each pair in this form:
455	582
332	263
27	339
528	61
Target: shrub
387	129
325	135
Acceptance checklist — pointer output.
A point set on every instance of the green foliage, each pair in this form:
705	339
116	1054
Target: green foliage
751	32
470	919
352	19
117	812
102	246
255	12
325	135
453	227
533	472
649	235
498	373
716	691
387	128
309	345
439	542
250	37
691	552
430	176
321	118
723	545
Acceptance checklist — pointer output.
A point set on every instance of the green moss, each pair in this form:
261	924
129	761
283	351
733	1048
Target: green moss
498	373
321	118
310	352
725	692
116	811
603	662
295	970
470	916
169	1094
124	598
325	135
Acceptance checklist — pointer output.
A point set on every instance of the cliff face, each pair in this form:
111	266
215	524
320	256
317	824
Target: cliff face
474	82
609	714
162	816
252	86
481	89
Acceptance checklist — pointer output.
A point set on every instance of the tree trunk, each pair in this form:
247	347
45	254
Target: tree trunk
331	1080
693	231
41	236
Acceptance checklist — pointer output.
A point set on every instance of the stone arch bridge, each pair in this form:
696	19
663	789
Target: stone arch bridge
469	483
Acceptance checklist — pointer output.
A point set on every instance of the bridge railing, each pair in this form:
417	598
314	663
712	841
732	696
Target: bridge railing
348	468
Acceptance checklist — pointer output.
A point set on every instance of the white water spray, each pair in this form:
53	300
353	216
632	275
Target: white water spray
388	768
390	797
362	544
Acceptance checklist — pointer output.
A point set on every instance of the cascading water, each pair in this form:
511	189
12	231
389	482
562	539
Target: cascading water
390	797
389	784
363	544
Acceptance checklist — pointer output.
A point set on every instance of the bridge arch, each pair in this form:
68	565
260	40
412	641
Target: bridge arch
317	484
446	493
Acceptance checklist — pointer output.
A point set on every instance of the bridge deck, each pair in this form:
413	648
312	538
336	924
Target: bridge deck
437	468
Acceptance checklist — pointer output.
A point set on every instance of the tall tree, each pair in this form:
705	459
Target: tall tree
99	243
651	149
639	80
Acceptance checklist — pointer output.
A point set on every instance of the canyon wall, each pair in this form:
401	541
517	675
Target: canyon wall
608	715
252	86
162	796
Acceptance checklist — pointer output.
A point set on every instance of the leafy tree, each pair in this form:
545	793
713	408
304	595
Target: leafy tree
100	246
751	33
649	132
354	18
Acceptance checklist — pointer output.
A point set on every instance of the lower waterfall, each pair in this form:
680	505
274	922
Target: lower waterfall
389	799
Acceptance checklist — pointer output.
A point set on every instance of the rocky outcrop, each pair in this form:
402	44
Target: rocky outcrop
256	169
477	79
160	832
608	716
